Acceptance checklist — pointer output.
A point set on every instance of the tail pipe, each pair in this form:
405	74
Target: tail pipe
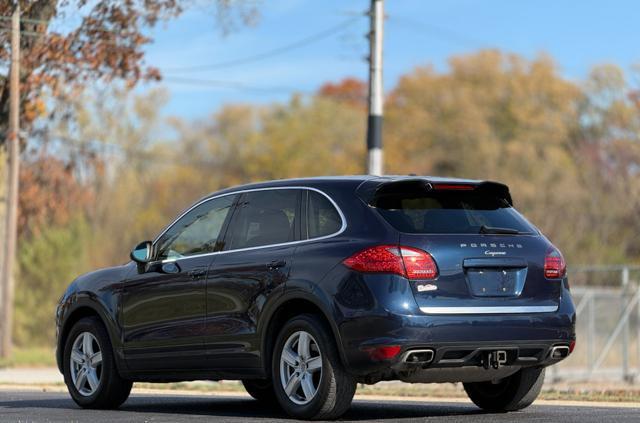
559	352
418	356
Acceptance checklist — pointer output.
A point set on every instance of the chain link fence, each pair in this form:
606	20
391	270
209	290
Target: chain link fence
607	300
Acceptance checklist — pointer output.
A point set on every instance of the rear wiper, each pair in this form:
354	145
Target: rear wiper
484	229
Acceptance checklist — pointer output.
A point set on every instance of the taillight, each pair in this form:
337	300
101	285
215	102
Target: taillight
418	264
409	262
554	265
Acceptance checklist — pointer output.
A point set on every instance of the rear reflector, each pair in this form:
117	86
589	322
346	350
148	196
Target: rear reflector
386	352
554	265
409	262
572	345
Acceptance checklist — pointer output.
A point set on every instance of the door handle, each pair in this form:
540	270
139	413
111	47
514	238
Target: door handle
276	264
197	273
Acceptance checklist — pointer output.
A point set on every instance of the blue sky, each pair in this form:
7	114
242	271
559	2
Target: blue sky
578	34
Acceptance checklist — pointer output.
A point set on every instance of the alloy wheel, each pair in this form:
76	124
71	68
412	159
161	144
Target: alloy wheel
86	364
301	367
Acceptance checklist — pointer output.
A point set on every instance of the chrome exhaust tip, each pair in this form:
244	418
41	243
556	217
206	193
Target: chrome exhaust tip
559	351
418	356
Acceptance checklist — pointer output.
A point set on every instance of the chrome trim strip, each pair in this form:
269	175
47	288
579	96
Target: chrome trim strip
489	310
342	218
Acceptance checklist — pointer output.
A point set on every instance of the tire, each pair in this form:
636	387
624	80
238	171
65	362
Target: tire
512	393
261	390
99	385
332	387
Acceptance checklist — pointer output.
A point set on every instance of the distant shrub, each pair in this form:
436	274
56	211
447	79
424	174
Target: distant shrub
47	264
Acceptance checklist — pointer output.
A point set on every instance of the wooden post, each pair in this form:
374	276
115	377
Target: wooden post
13	149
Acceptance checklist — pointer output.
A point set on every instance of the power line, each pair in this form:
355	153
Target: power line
237	85
24	32
439	32
269	53
28	20
100	147
48	22
219	65
45	34
241	86
114	32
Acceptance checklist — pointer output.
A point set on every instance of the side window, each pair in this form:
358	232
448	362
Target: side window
322	217
264	218
197	231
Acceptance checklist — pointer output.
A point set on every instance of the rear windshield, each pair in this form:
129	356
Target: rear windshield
449	212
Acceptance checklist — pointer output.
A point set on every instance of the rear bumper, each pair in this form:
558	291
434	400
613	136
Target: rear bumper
458	340
530	350
471	362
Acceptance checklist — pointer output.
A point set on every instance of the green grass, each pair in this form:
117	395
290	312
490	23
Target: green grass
30	357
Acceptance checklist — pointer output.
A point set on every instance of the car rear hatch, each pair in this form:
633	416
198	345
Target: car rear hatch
490	260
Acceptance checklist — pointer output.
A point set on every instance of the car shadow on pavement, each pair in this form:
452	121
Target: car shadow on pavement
244	407
241	407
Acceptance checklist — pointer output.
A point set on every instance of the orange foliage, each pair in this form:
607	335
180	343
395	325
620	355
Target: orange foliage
350	90
50	193
106	43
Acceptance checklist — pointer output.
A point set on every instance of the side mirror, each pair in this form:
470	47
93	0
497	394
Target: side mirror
141	254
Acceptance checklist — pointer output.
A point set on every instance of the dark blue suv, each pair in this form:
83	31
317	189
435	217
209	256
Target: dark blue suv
304	288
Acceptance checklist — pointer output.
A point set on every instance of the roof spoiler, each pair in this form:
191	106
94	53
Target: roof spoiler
369	192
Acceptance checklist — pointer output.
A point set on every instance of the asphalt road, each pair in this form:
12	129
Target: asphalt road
31	406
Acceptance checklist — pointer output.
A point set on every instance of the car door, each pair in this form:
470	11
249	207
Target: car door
253	265
164	305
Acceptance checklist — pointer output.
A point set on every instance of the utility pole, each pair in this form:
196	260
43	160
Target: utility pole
13	148
374	124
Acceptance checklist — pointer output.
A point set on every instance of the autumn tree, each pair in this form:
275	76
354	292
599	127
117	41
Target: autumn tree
607	151
103	42
105	45
67	46
569	151
51	195
350	90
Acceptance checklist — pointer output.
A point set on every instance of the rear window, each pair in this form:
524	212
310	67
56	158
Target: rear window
448	212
